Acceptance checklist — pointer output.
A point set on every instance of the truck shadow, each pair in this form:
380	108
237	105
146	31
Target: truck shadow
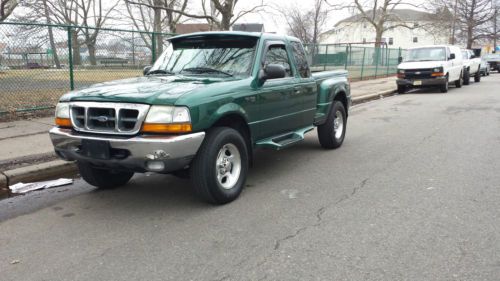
167	193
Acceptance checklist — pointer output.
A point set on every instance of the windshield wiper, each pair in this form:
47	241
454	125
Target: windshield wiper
160	71
206	70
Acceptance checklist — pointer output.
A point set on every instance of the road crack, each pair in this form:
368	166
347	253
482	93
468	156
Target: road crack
319	215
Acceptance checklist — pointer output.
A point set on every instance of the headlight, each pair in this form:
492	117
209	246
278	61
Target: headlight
437	69
401	71
167	119
62	115
62	110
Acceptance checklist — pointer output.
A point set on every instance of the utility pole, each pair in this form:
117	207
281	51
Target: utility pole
495	30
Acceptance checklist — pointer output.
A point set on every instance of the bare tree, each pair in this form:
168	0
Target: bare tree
378	14
472	19
93	15
6	8
156	16
220	13
306	24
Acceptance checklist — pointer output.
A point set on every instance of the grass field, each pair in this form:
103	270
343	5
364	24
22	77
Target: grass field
31	88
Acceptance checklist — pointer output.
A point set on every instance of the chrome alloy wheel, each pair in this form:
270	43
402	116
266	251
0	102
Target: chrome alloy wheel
338	124
228	166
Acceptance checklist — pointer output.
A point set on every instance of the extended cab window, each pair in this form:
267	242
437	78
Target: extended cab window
277	55
300	58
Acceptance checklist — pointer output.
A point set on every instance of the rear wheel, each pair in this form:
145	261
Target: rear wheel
103	178
219	170
331	134
466	77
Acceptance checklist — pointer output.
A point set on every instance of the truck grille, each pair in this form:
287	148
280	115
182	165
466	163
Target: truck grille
108	118
418	73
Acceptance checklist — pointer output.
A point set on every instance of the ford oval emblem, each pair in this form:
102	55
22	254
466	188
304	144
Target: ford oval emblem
102	119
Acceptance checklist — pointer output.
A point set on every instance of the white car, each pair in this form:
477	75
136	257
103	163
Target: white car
472	66
430	66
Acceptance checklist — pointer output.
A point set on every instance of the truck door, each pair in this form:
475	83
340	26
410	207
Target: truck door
280	105
305	84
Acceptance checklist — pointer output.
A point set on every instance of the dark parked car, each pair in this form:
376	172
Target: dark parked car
35	65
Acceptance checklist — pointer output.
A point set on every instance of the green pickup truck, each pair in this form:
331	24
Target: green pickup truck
200	111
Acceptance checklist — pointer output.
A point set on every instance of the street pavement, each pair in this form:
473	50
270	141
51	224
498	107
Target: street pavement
413	194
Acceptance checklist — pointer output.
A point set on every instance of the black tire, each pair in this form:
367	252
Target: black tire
460	81
401	89
444	87
477	77
204	169
327	133
103	178
466	77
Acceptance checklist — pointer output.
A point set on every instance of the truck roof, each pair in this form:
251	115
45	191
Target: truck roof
262	35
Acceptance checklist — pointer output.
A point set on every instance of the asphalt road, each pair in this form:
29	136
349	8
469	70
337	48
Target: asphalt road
413	194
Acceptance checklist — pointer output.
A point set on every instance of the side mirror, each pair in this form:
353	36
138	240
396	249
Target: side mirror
146	70
452	57
272	71
400	59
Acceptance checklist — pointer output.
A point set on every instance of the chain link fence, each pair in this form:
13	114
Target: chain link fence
40	62
361	62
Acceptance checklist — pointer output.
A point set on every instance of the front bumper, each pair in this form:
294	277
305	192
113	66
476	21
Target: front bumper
427	82
130	153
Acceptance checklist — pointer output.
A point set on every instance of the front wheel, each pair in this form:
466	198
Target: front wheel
444	87
331	134
219	170
477	77
103	178
401	89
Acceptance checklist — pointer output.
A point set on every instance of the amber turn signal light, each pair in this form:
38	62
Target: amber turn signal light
436	74
167	128
63	122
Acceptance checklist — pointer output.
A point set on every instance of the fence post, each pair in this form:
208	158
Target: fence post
133	49
326	57
387	61
346	56
153	49
70	60
363	63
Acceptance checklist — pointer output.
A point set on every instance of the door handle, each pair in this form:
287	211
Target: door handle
296	90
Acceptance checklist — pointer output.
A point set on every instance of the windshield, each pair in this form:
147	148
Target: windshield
426	54
207	55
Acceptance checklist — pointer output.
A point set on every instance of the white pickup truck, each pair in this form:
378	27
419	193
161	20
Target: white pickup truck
430	66
472	66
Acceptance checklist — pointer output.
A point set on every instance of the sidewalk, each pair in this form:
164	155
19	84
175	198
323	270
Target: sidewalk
26	152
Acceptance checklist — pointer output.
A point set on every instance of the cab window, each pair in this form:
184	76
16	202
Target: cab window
276	54
300	59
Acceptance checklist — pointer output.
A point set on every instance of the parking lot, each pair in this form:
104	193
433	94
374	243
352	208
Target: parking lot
411	195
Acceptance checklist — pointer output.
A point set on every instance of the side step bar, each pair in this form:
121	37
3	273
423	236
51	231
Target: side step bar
284	140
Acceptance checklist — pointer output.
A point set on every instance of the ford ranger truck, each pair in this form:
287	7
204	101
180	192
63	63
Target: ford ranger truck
472	66
200	111
433	66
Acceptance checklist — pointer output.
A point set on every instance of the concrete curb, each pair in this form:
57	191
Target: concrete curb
370	97
39	172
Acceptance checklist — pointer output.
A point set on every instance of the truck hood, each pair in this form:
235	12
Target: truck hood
149	90
420	64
